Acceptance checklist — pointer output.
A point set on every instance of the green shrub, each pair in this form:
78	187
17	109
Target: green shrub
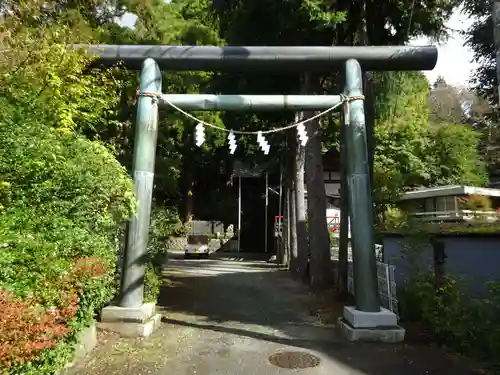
467	325
476	203
464	324
63	198
152	283
394	217
165	222
451	317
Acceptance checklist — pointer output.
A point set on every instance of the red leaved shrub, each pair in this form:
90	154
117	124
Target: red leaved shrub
88	267
26	328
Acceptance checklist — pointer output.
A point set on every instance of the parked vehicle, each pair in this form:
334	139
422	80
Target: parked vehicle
197	245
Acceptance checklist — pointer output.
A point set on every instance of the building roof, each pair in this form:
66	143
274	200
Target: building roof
449	190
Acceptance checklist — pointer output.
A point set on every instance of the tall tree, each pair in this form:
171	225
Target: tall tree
446	103
321	22
455	152
180	22
401	158
319	236
479	38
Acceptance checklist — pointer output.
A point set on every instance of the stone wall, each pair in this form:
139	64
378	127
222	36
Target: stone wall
176	243
179	243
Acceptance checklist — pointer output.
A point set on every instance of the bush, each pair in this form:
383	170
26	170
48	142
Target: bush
476	203
469	326
165	222
63	198
394	217
152	283
27	331
450	316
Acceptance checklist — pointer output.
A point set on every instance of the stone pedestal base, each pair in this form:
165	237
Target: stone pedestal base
379	326
139	321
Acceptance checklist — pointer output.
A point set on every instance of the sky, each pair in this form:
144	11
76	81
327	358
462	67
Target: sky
454	59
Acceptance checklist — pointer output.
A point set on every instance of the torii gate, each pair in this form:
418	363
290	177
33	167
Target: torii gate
360	321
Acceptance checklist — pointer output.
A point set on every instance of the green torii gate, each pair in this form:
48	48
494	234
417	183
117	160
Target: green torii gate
360	322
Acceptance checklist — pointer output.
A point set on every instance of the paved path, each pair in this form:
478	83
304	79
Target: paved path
227	317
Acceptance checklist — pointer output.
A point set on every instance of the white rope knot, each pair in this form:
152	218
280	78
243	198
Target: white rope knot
354	97
149	94
347	98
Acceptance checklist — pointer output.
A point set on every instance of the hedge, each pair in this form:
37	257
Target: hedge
62	200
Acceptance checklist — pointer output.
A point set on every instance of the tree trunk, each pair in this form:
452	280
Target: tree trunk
294	252
345	37
302	241
319	237
285	235
292	212
281	239
343	261
369	93
188	209
288	247
438	248
188	178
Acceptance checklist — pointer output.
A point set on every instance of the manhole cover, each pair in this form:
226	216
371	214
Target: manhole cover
294	360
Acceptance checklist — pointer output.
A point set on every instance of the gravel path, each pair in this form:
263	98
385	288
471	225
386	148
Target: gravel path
228	317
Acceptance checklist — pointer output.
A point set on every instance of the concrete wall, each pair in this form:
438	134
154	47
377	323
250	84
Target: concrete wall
474	257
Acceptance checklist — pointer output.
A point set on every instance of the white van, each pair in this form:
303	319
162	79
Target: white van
197	245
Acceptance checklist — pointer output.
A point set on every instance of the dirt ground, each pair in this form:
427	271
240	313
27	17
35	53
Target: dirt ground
230	316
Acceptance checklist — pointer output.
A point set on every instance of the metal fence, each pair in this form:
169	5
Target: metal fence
386	285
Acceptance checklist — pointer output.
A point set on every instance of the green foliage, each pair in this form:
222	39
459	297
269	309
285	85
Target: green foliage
187	22
334	240
322	13
476	203
394	218
456	159
402	133
447	313
452	318
413	152
152	284
479	37
62	195
67	196
165	222
39	74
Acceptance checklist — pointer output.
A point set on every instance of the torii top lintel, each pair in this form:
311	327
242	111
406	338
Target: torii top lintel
290	58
